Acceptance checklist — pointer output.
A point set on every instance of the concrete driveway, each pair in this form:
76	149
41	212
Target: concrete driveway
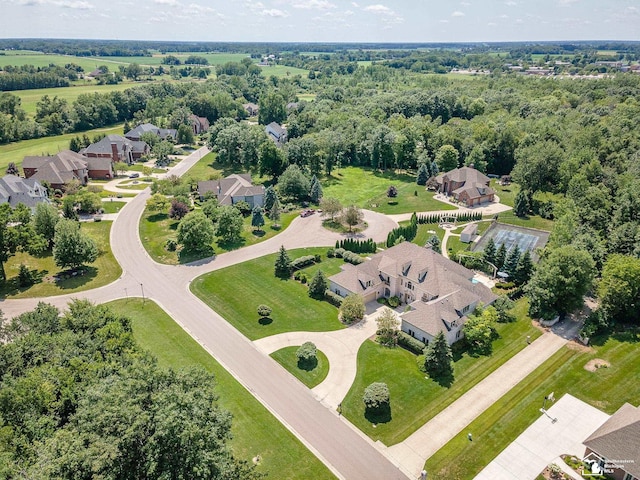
543	442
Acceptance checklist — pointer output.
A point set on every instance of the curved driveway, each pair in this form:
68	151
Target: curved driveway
347	452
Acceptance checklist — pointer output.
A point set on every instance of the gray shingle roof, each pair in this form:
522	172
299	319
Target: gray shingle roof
56	169
619	438
235	185
15	190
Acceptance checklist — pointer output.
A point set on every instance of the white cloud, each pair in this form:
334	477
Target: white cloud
72	4
457	13
274	12
354	5
504	16
492	24
379	9
171	3
313	4
444	21
567	2
465	4
510	3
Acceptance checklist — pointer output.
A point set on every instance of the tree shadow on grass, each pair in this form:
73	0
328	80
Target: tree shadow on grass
188	256
258	233
265	321
157	217
12	285
75	278
308	365
378	415
444	380
231	244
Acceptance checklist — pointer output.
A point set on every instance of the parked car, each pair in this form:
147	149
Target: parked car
306	213
134	175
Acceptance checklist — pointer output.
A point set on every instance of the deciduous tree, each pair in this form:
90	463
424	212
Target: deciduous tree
72	247
331	207
195	232
387	333
230	223
352	309
353	216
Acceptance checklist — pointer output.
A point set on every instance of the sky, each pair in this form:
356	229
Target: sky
323	20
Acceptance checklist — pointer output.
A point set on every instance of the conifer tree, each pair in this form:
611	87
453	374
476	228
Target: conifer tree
501	256
274	213
511	262
438	360
283	264
318	285
521	204
315	191
524	269
423	175
270	196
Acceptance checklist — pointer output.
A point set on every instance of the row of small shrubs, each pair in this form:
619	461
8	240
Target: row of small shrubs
333	298
357	246
346	255
505	285
460	217
412	344
301	277
304	261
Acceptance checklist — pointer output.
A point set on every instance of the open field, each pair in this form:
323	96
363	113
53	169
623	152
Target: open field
366	188
16	151
532	221
606	389
235	293
156	59
30	98
37	59
156	228
283	71
255	431
311	377
415	398
102	272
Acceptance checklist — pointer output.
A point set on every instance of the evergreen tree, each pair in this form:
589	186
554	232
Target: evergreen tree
315	192
434	169
423	175
511	262
274	213
283	264
438	360
12	169
521	204
524	269
501	256
257	217
318	285
270	196
489	253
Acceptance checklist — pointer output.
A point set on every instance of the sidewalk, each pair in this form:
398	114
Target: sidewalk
415	450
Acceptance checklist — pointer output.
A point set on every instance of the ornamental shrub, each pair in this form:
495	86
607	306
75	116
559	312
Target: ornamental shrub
376	396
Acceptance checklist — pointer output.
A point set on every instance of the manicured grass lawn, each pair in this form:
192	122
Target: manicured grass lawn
102	272
507	193
157	228
455	245
533	221
16	151
255	431
423	232
311	377
207	168
415	398
366	187
606	389
235	292
112	207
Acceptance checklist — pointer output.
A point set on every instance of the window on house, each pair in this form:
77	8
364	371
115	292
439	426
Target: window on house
465	309
458	334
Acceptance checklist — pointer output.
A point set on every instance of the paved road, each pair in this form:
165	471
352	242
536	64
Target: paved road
348	453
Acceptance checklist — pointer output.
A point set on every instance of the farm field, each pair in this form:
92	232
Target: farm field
16	151
38	59
254	429
30	98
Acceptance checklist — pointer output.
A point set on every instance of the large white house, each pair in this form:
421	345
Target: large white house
440	293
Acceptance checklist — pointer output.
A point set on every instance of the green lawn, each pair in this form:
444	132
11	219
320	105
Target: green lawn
39	59
16	151
507	193
157	228
31	97
255	431
423	232
112	206
415	398
311	377
102	272
606	389
283	71
235	292
365	188
156	59
207	168
533	221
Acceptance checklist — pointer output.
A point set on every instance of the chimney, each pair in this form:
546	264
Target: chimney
114	152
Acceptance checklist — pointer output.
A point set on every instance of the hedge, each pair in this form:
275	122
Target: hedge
302	262
357	246
333	298
352	258
412	344
460	217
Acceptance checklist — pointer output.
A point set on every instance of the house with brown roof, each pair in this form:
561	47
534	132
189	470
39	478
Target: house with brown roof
65	166
466	185
199	124
117	148
163	133
57	170
615	446
251	108
233	189
28	191
440	293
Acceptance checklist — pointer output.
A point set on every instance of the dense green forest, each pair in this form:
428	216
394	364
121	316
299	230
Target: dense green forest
79	399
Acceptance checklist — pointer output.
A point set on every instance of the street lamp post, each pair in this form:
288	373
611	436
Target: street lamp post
142	288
